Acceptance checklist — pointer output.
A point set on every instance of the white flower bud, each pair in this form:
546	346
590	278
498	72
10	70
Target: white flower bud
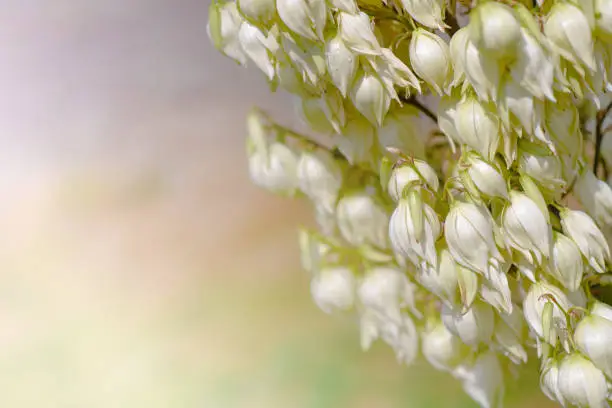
509	336
312	250
584	232
533	69
341	64
304	17
386	290
348	6
356	32
484	380
568	28
526	227
371	98
413	230
304	60
333	289
596	197
394	72
481	71
430	59
401	130
546	169
457	47
441	281
593	337
581	383
447	118
258	11
405	174
223	27
566	262
469	235
362	221
403	337
427	12
495	290
320	177
603	13
441	348
562	124
356	142
602	310
477	127
495	29
313	113
274	169
549	382
474	326
533	307
257	47
487	179
468	284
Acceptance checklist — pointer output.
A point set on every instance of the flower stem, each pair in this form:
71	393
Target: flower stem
411	100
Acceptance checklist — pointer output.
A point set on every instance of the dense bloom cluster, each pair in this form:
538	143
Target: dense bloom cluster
475	241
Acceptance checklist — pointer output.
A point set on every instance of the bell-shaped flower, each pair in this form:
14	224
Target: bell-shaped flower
468	284
533	68
362	221
274	169
581	383
403	337
447	119
562	125
333	288
566	263
223	26
305	61
341	64
526	228
387	290
357	33
483	72
348	6
312	250
483	381
413	230
509	336
370	97
568	29
408	173
477	127
602	310
401	130
486	178
258	11
474	326
257	47
442	280
457	46
515	101
495	290
603	19
430	59
534	304
544	168
469	235
430	13
314	113
495	29
304	17
592	337
581	228
320	177
441	348
549	381
596	197
356	142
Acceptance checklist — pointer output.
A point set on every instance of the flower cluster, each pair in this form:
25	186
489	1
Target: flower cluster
474	241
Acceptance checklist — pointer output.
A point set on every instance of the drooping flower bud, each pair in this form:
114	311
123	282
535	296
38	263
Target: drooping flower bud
533	69
274	169
403	337
566	262
430	59
477	127
362	221
484	380
602	310
447	118
440	347
386	290
314	113
526	227
483	72
304	17
312	251
534	305
474	326
592	337
486	178
320	177
545	168
581	383
258	11
430	13
333	288
562	125
469	235
441	281
348	6
406	174
508	335
356	32
588	237
257	47
549	381
223	26
371	98
468	283
596	197
495	29
568	28
341	64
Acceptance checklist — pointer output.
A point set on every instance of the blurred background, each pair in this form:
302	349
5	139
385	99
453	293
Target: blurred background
138	265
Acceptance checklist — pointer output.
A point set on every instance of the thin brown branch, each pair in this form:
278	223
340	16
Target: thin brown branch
599	135
412	100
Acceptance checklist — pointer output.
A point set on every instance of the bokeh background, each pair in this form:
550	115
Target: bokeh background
138	266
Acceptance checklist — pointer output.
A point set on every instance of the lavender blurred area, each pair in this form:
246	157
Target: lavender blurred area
138	266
